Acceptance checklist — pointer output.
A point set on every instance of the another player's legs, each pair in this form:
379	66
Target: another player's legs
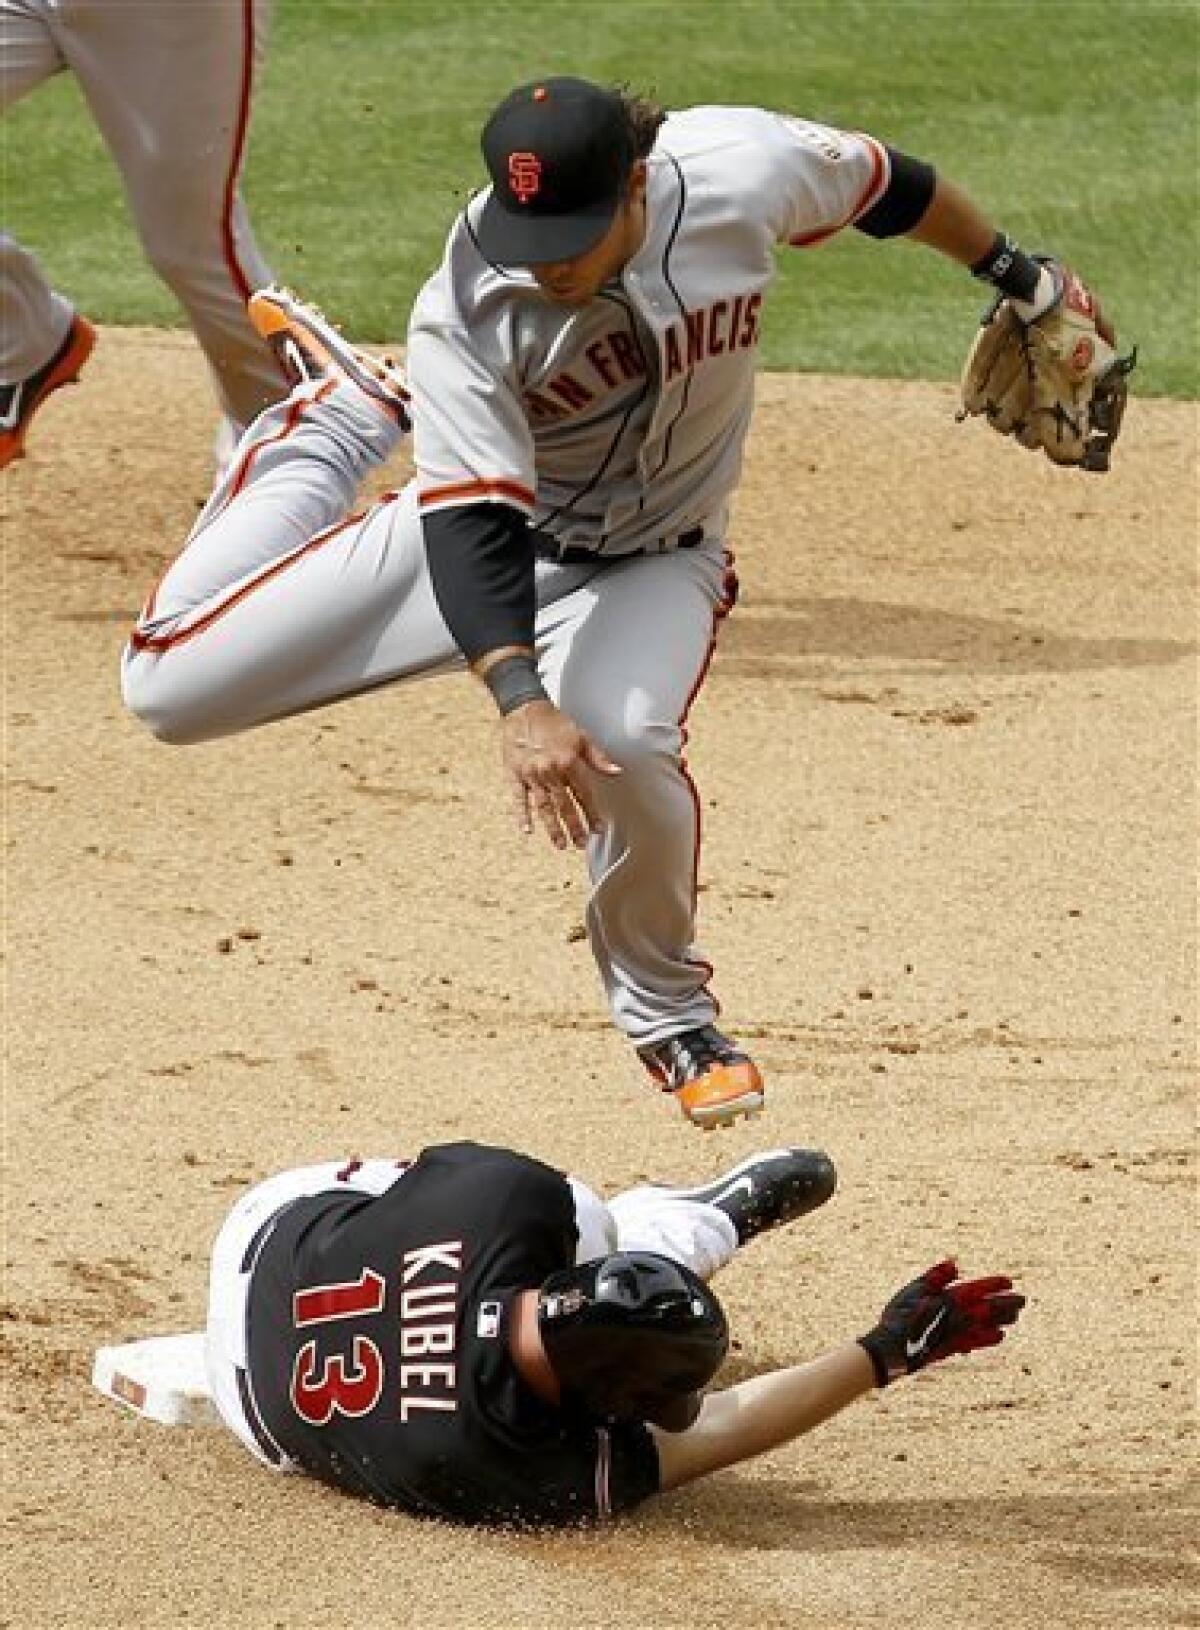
765	1190
43	343
170	87
596	1231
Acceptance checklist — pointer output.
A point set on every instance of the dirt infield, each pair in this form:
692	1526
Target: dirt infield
948	754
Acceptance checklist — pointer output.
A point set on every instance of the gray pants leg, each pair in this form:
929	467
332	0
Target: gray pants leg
281	601
624	655
33	319
169	85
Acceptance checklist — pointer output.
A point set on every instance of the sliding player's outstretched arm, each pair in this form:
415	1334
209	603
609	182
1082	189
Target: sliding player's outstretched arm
932	1318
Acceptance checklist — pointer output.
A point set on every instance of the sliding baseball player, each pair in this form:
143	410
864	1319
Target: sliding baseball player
475	1337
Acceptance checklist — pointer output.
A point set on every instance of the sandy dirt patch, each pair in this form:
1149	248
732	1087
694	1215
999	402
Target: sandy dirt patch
948	758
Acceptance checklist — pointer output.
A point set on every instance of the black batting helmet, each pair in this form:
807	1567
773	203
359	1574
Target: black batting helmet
633	1336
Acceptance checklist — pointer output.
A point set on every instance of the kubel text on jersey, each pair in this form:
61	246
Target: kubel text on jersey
428	1328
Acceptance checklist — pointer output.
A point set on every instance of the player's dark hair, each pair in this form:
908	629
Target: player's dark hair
644	118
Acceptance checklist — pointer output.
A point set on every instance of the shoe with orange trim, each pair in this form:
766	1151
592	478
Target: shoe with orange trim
19	402
711	1079
309	348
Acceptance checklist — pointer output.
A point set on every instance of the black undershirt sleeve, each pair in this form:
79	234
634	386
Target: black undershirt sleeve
481	566
903	202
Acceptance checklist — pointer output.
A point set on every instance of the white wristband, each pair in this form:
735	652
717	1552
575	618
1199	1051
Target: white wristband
1044	297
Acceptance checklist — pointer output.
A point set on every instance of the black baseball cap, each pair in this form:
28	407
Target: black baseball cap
559	152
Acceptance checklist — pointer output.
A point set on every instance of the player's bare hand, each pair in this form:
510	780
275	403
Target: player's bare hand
550	763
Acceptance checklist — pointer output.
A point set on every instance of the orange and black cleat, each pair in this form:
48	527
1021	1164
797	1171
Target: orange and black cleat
20	401
711	1079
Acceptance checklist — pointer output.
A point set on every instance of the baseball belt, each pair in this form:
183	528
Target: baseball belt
547	548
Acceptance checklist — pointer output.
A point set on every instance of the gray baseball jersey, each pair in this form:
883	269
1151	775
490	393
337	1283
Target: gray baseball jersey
615	428
622	424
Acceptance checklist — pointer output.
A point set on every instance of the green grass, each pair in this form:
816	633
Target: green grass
1074	125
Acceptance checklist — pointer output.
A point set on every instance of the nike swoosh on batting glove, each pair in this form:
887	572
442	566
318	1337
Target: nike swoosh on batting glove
936	1316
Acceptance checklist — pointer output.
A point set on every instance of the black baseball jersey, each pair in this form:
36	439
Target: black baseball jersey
378	1350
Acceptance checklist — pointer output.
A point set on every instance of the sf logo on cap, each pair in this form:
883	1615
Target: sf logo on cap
524	175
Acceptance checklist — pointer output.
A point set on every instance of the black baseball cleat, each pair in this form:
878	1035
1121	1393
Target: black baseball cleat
767	1190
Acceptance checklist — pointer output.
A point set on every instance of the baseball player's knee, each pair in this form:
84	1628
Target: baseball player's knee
173	730
640	744
649	759
171	716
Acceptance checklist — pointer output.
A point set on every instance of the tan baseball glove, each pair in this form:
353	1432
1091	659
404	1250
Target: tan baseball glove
1056	383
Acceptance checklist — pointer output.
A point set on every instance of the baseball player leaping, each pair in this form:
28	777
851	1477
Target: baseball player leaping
581	368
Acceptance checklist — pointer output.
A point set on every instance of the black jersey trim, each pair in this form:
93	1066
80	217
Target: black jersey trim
670	282
252	1418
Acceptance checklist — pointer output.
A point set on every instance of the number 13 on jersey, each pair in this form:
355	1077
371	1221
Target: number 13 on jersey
321	1387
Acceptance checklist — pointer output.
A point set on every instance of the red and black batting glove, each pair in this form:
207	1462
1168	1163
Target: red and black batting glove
936	1316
